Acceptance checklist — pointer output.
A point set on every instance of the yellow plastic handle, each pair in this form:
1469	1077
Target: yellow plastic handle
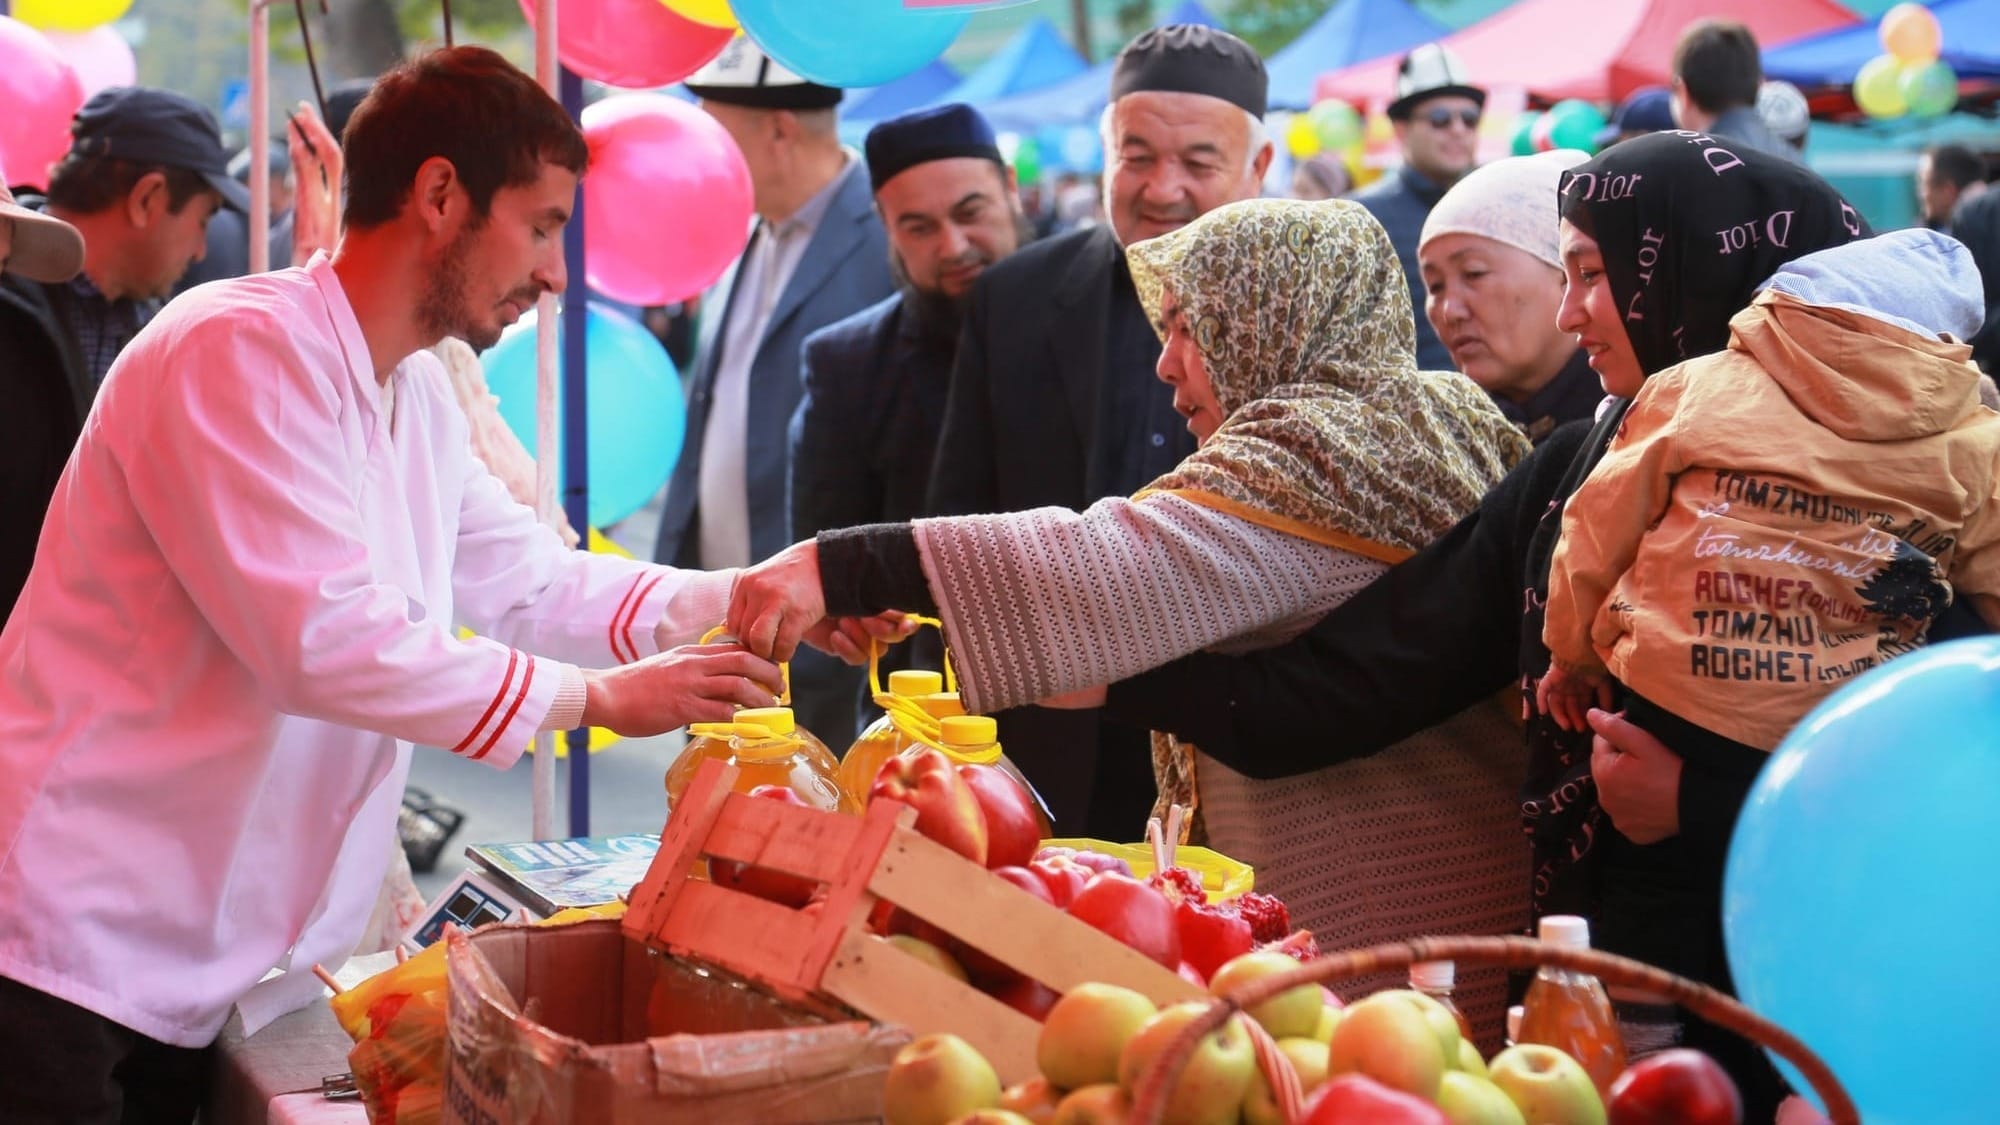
784	669
877	648
917	725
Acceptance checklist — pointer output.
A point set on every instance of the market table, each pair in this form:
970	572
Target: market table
273	1077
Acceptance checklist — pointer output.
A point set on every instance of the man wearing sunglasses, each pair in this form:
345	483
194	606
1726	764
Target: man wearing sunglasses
1436	115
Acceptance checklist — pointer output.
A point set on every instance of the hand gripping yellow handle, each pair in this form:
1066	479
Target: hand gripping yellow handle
784	669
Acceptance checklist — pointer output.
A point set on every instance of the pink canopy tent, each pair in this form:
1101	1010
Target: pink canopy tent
1600	50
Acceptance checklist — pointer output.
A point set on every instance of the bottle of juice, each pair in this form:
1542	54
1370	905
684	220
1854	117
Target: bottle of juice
1434	979
1569	1010
881	740
767	747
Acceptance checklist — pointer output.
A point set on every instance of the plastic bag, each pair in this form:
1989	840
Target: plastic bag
1222	877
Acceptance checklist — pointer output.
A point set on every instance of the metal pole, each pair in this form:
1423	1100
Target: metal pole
548	73
576	446
260	136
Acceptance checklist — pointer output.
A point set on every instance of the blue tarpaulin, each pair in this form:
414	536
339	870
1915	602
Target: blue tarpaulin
1079	100
1832	58
1037	57
1352	31
919	88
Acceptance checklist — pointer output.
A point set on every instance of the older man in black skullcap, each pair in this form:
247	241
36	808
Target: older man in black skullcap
1053	398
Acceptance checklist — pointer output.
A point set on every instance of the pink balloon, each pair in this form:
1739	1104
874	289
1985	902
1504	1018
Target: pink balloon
39	93
101	57
636	43
666	204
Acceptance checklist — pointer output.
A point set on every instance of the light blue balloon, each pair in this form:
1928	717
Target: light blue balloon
636	415
851	43
1860	904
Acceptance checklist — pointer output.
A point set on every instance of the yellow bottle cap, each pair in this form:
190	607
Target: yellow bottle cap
777	720
941	704
915	681
968	730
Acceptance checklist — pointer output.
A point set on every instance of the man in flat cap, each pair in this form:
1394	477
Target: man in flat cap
1053	398
865	432
145	171
815	255
1436	116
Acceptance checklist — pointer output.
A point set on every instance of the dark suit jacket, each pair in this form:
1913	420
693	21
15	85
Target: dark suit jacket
1022	412
845	269
48	394
867	427
1020	423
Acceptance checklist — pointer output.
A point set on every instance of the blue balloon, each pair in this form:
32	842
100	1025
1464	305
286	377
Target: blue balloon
852	43
636	415
1859	901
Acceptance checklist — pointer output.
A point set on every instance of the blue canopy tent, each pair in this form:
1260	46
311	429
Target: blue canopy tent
1833	58
1078	100
918	88
1037	57
1352	31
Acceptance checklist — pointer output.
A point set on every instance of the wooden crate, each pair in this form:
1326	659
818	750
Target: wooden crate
826	959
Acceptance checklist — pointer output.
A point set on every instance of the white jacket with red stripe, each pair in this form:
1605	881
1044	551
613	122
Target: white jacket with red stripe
240	618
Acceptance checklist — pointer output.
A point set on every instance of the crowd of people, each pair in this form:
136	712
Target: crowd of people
1457	550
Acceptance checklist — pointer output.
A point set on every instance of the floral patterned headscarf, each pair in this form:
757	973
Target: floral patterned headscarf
1302	316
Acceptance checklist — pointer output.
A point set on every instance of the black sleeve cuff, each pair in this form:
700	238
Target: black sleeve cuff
866	570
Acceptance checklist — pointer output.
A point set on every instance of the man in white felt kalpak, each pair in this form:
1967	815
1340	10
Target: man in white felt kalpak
242	612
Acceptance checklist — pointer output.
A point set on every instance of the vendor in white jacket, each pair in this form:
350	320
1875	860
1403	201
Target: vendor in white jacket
242	611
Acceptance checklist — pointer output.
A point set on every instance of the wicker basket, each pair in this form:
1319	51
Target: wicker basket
1149	1100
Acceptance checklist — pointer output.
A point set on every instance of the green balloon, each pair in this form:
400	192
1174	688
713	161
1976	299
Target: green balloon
1878	87
1524	134
1576	124
1930	89
1028	161
1336	123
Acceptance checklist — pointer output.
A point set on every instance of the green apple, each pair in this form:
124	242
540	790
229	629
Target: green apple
1083	1035
1260	1105
1469	1060
1443	1024
991	1117
1217	1075
1467	1099
1293	1012
1549	1087
1329	1018
1102	1104
1034	1099
938	1078
930	955
1387	1038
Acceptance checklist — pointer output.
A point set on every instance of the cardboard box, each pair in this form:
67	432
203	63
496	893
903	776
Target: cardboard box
580	1025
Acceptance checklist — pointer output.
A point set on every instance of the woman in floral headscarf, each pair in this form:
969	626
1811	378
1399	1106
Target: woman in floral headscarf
1325	457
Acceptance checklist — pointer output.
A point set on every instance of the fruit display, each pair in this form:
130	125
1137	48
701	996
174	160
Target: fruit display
1396	1057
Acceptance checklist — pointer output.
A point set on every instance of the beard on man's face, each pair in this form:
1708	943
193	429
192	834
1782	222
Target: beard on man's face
445	310
939	314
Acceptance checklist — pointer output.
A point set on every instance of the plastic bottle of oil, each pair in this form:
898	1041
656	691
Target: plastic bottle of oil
882	740
767	747
1434	979
1569	1010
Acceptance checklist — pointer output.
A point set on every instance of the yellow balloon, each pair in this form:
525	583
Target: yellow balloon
1911	33
1878	88
708	13
1302	138
69	15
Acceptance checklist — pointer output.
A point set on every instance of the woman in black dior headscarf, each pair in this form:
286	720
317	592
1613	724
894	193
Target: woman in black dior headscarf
1673	233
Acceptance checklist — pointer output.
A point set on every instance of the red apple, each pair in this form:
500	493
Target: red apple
788	890
1132	912
1680	1086
947	810
1013	830
1211	936
1354	1098
983	968
1064	877
1027	996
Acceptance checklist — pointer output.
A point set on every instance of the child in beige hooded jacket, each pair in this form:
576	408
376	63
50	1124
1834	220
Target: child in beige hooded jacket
1775	519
